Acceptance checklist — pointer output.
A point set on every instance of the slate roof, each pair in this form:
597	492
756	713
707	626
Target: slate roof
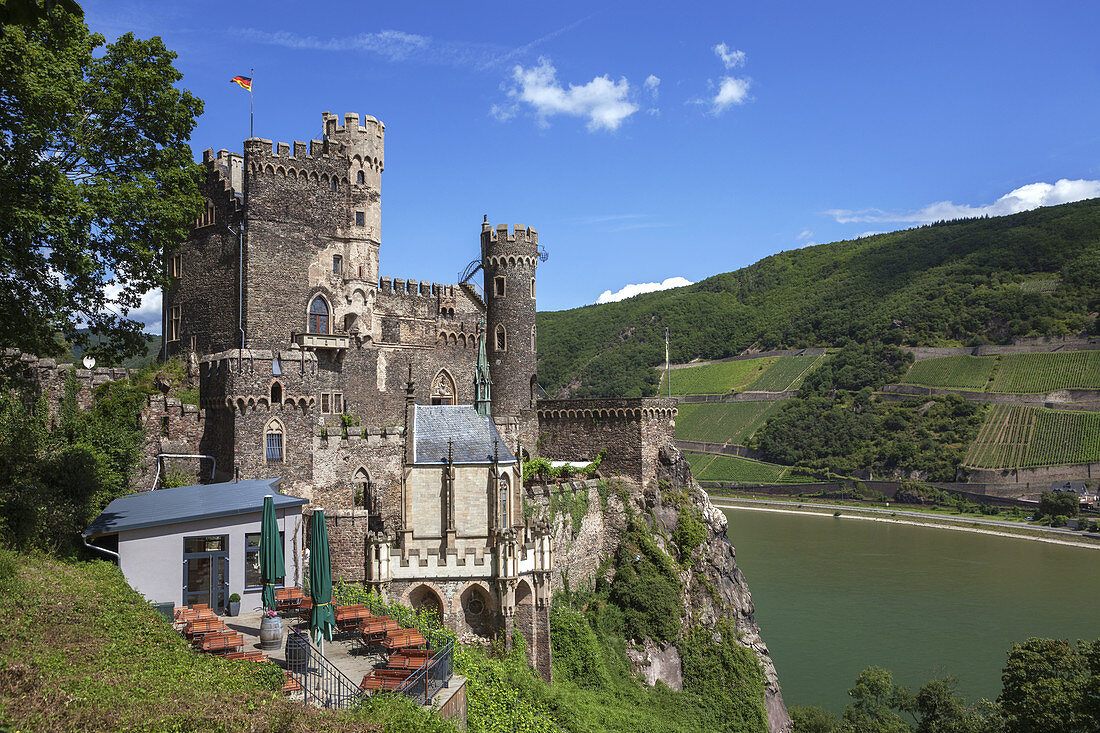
188	503
471	435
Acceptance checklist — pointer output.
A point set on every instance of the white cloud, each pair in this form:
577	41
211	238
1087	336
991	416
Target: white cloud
731	91
651	84
605	103
629	291
391	44
1024	198
147	313
732	58
805	234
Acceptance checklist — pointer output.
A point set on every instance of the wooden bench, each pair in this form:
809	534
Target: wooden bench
187	615
288	598
350	618
201	627
384	679
403	638
290	684
373	630
252	655
402	661
222	642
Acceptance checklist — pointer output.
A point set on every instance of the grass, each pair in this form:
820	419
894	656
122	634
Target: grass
80	650
952	372
1015	436
721	422
713	467
720	378
786	373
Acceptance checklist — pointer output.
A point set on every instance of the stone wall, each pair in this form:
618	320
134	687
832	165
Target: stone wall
347	532
206	287
174	428
631	430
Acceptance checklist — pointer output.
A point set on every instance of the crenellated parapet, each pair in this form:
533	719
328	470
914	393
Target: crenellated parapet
249	379
637	408
414	288
501	247
629	432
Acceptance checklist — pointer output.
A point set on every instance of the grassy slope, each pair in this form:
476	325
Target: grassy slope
719	422
721	378
708	467
937	285
80	650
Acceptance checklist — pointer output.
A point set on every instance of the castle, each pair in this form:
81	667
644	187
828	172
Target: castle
401	407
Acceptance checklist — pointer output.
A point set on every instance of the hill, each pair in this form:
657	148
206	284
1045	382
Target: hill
956	283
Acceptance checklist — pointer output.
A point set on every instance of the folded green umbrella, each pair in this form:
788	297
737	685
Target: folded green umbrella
271	554
322	621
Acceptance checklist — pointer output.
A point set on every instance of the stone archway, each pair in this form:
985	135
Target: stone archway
425	598
477	611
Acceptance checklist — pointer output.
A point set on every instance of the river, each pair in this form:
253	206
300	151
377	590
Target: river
834	596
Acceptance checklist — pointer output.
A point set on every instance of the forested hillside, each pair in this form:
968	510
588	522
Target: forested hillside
955	283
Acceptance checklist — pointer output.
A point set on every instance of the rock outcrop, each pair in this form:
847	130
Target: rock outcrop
713	588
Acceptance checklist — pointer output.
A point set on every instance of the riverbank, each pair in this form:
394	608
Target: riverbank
917	519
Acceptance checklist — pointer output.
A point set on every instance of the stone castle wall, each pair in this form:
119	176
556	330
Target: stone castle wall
632	431
206	287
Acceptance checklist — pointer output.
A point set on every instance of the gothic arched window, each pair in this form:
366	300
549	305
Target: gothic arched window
359	177
276	394
273	442
502	338
318	315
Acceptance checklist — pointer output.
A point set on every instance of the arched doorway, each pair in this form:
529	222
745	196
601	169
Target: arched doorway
424	598
363	490
477	611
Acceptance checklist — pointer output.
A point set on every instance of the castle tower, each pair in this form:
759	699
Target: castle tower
509	261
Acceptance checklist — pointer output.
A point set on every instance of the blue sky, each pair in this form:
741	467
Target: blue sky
648	141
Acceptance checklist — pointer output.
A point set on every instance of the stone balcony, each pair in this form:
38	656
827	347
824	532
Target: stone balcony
321	340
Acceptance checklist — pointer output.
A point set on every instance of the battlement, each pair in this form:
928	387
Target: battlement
416	288
225	172
315	149
371	125
520	233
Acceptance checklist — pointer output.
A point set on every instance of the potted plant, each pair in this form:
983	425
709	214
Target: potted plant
234	604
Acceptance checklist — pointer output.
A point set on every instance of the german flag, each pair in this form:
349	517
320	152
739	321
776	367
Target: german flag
244	82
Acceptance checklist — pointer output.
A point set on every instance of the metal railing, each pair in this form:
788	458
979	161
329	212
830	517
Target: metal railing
436	673
322	682
422	685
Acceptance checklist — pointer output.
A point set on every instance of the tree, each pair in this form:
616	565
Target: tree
875	700
1054	503
96	178
1042	688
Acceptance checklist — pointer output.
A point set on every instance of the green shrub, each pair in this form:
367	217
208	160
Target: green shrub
690	530
728	675
578	657
645	587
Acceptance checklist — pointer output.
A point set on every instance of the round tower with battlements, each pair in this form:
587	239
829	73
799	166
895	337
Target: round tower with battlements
509	260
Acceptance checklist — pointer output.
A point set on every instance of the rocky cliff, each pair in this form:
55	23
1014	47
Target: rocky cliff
589	521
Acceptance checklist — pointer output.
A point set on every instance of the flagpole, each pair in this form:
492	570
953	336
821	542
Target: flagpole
251	107
668	372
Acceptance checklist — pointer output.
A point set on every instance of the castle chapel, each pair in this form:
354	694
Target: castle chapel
400	406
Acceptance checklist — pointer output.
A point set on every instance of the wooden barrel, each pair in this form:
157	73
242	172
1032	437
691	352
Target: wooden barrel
271	632
297	653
